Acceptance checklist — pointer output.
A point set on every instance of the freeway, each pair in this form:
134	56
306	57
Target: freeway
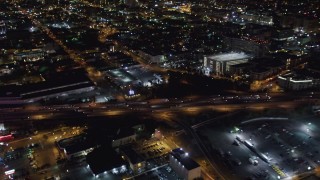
186	105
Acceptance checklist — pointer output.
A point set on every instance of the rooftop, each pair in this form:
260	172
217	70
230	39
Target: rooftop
229	56
132	155
184	159
55	83
76	144
121	76
104	159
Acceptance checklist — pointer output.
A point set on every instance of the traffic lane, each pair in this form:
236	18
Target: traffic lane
222	105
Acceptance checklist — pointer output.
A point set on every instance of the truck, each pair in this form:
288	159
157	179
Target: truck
253	161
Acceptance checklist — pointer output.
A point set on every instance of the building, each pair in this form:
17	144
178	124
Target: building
57	84
264	68
76	146
220	64
29	55
124	136
258	18
299	81
136	162
152	57
105	161
183	165
261	73
122	78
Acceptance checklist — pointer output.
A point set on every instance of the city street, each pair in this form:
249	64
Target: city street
40	153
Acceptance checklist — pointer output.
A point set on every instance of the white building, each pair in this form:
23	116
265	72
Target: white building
183	165
220	63
290	82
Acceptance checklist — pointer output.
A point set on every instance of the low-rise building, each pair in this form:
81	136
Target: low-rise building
104	161
152	57
76	146
124	136
136	162
299	80
29	55
183	165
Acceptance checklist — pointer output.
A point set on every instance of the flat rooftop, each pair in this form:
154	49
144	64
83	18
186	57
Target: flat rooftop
184	159
104	159
121	76
141	73
55	83
229	56
76	143
132	155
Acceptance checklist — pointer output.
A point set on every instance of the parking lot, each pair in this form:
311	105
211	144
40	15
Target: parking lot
267	148
163	173
152	149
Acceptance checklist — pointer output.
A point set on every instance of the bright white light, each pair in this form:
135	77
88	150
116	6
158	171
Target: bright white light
131	92
32	29
187	154
114	171
12	171
229	56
